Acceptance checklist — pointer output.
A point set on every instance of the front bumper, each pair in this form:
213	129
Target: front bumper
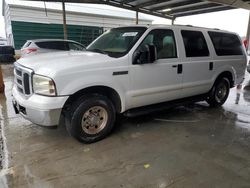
41	110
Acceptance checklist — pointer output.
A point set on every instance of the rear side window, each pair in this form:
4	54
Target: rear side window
54	45
195	44
225	43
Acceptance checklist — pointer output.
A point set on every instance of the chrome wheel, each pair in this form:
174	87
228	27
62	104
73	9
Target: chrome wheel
94	120
221	92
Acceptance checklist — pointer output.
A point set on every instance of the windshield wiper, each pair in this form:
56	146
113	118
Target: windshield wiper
98	51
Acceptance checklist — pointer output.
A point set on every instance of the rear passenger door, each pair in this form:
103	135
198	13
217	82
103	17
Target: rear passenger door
197	65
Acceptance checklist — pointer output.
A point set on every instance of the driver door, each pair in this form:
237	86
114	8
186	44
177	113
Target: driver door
159	81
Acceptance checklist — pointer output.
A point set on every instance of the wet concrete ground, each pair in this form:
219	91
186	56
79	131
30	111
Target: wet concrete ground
191	146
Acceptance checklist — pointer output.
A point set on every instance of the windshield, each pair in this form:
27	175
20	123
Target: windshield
117	42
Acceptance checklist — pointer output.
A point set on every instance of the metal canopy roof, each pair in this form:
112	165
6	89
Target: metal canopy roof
169	9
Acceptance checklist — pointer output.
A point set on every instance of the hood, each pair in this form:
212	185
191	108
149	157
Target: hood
52	63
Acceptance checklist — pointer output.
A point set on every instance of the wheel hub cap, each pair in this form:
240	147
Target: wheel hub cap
221	92
94	120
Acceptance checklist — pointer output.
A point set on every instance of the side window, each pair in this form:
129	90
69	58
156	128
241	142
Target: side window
75	47
55	45
195	44
65	46
226	44
148	40
164	41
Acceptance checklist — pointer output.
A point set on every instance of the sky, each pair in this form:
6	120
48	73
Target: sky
231	20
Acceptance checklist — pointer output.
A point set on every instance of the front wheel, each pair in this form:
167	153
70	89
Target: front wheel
219	93
92	118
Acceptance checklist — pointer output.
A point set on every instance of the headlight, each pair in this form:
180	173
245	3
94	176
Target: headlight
43	85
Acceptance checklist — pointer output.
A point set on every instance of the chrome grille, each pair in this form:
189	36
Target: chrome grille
22	79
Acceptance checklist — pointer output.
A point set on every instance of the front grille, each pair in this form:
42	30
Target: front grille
18	72
22	78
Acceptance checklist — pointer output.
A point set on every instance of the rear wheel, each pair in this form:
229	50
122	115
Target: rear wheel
219	93
92	118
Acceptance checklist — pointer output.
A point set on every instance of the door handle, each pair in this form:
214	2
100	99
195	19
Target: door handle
211	65
179	69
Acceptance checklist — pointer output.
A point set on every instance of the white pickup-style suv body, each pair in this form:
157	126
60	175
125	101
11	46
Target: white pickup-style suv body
124	69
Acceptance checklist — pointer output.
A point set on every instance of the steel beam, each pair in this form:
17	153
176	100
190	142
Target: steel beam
191	5
234	3
193	8
127	1
201	11
173	4
149	3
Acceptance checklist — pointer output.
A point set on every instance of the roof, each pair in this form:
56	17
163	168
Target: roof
155	26
189	27
170	9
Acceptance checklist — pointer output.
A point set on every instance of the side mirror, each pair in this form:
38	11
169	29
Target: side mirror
147	54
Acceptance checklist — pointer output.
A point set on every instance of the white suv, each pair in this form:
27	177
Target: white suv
33	47
129	70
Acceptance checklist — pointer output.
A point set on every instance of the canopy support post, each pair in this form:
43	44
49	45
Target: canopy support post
1	81
65	33
137	18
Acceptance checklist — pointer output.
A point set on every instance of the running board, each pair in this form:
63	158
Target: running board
163	106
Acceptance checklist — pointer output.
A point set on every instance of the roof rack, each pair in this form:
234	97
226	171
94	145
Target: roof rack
196	26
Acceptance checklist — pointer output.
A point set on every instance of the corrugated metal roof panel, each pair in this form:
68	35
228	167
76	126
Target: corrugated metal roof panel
80	8
165	8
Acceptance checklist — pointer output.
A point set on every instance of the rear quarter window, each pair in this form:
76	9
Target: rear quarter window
226	44
195	43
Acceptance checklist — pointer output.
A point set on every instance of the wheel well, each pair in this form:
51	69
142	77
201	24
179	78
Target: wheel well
103	90
229	76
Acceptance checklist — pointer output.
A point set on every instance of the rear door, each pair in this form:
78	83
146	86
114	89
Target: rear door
197	64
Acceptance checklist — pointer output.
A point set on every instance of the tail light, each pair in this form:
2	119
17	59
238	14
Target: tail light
29	50
245	42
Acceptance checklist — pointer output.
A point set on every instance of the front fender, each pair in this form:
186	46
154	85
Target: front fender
72	86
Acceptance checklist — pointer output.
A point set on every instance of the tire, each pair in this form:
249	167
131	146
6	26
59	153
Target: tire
219	93
91	118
